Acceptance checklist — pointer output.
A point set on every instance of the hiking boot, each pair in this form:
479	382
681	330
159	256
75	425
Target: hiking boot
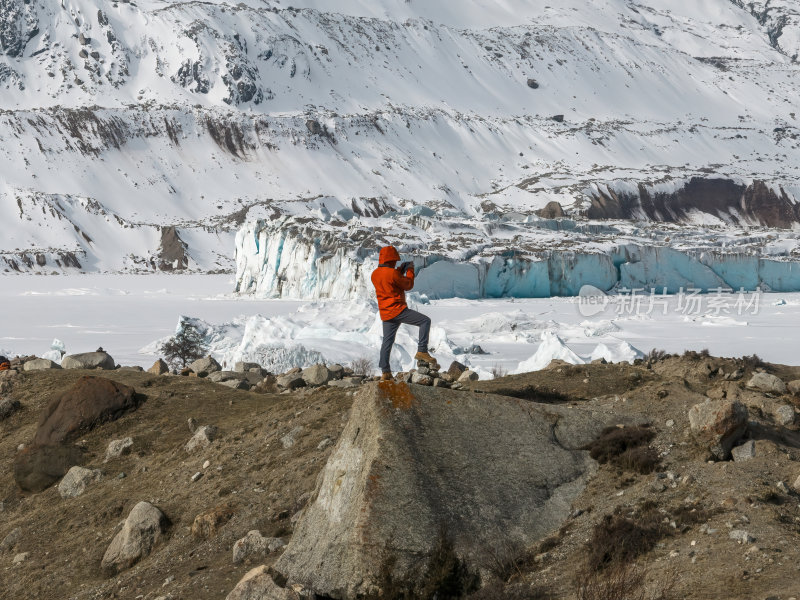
387	377
425	357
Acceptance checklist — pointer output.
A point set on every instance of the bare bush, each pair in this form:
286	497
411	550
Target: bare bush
623	582
497	371
655	355
363	366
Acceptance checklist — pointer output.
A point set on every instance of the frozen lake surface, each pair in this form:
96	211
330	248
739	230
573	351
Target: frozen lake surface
128	314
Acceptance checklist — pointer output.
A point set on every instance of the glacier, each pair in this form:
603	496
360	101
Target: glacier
305	258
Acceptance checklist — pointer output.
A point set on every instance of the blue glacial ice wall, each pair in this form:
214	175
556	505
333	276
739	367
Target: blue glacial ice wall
279	263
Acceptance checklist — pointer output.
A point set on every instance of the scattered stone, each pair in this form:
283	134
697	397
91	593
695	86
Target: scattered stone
205	365
558	118
21	557
223	376
718	425
324	444
781	485
11	540
439	382
794	387
468	376
159	368
40	364
255	545
76	480
117	448
423	371
744	452
236	384
202	438
139	534
765	382
670	423
290	381
533	84
456	369
421	379
206	525
258	584
741	536
192	422
784	415
89	360
8	406
316	375
186	371
796	484
336	371
196	477
290	438
244	367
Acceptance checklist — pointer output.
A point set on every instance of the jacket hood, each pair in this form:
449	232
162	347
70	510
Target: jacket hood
388	254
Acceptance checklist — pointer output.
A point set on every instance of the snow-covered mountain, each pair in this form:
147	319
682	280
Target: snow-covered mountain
142	135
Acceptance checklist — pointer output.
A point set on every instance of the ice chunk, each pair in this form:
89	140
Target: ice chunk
620	352
551	348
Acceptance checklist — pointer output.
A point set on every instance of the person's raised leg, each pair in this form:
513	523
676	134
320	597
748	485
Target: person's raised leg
412	317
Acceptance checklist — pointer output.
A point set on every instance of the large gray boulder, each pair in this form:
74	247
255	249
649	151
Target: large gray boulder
140	533
89	360
316	375
413	460
205	365
40	364
765	382
718	425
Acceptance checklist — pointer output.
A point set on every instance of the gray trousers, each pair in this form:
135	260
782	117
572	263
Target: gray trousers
390	327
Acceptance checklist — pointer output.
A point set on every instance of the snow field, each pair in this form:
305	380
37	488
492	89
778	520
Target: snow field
128	315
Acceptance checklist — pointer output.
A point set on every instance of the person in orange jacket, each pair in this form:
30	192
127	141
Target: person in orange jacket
391	285
4	364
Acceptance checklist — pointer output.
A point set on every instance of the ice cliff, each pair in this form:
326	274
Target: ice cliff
490	258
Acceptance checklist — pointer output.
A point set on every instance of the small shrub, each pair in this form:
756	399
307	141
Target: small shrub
504	558
655	355
446	577
497	371
626	448
618	540
752	362
514	591
623	582
363	366
184	347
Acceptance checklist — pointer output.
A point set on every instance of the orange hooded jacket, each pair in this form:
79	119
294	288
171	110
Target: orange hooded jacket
390	285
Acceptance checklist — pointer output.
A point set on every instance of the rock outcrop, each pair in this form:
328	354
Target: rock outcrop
88	360
413	461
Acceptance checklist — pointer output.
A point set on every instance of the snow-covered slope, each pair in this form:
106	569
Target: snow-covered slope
142	135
